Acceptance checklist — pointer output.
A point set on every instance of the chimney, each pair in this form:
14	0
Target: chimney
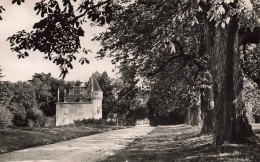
58	95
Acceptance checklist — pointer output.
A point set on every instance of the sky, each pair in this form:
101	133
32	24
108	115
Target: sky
23	17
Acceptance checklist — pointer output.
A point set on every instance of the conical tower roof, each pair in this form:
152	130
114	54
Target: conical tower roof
93	84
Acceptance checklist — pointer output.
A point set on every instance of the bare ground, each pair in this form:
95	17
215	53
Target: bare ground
90	148
169	143
12	139
183	143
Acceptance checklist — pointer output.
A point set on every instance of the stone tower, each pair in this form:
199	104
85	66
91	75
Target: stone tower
96	95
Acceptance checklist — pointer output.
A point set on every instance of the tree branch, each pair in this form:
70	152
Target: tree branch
161	68
91	8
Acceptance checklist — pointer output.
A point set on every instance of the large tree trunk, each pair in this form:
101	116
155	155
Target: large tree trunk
206	111
207	44
230	122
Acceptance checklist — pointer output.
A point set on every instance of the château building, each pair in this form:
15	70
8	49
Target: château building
80	103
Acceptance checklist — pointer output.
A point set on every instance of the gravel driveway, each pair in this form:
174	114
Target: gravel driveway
90	148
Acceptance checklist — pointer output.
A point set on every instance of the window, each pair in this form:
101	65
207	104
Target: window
66	111
65	121
98	110
81	110
96	94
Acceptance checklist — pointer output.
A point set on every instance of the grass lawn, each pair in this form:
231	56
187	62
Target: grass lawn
12	139
183	143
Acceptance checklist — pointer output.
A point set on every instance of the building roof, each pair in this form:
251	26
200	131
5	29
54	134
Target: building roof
76	97
93	84
84	93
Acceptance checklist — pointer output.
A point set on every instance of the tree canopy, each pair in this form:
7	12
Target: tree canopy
57	34
181	49
196	42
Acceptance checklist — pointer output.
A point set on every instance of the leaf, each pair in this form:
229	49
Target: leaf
50	10
36	6
80	32
38	12
21	56
173	50
200	9
93	18
102	21
40	24
83	60
108	19
223	25
2	8
42	14
227	20
86	60
221	10
77	24
18	40
52	3
211	17
17	1
70	66
26	54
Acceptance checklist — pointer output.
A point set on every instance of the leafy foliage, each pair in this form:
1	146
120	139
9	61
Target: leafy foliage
252	99
251	63
29	102
5	94
17	1
6	117
108	102
23	102
171	43
46	88
1	74
94	122
58	33
1	10
165	54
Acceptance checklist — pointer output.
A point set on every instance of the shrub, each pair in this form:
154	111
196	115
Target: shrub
94	122
35	117
19	115
6	117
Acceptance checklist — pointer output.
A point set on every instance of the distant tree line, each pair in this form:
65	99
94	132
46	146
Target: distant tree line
27	103
122	98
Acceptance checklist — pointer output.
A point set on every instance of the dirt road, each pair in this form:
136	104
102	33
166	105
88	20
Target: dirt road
91	148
